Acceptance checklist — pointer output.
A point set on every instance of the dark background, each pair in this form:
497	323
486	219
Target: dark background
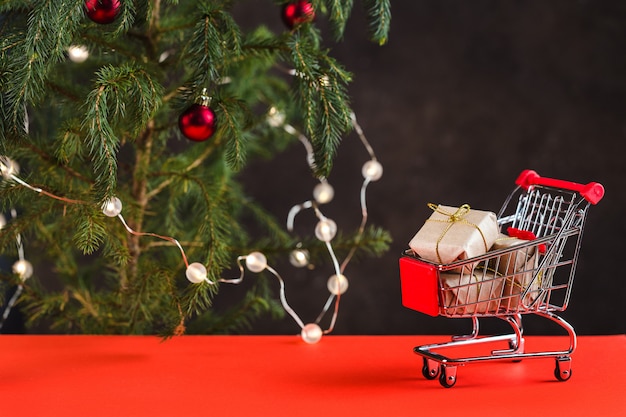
464	97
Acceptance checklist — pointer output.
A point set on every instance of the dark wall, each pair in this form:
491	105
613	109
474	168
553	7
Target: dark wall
463	98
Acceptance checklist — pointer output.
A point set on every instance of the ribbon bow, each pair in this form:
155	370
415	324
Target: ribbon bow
452	217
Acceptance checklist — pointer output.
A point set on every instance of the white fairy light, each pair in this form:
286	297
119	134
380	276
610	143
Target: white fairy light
78	53
164	55
23	269
311	333
299	257
112	207
10	304
225	80
337	284
275	117
372	170
8	167
323	193
256	262
196	273
325	230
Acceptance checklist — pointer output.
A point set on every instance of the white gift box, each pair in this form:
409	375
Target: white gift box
519	268
477	293
455	233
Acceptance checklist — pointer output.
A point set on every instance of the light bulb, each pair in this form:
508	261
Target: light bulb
372	170
164	55
8	167
323	193
325	230
23	269
78	53
196	273
311	333
337	284
275	117
299	258
3	221
256	262
112	207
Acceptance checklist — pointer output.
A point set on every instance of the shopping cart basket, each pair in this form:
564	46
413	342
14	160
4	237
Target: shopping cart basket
531	277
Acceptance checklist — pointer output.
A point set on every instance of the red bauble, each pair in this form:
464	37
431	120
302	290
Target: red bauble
102	11
297	12
197	123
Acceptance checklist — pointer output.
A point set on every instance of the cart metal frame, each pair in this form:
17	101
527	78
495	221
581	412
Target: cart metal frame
554	212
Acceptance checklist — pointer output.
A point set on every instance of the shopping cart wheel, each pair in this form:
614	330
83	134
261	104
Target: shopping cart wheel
447	377
518	350
563	368
430	369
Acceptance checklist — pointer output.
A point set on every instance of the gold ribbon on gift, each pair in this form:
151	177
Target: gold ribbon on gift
453	218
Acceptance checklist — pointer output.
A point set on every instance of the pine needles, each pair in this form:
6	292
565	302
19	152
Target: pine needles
107	128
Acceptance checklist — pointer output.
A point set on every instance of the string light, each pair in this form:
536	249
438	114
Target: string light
337	284
326	228
323	193
299	257
22	268
112	207
78	53
196	273
255	262
8	167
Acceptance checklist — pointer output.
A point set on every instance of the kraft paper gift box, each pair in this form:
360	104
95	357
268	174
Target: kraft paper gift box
518	267
477	293
455	233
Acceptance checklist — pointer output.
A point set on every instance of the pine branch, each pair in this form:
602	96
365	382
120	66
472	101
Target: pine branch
51	25
321	86
116	87
138	297
14	5
210	221
215	37
233	115
115	136
125	19
181	165
240	316
340	10
379	18
262	43
70	141
90	230
276	231
198	298
102	143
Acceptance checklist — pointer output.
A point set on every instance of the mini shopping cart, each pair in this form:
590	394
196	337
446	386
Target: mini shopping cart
532	276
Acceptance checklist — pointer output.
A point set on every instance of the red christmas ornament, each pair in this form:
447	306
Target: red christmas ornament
197	123
102	11
297	12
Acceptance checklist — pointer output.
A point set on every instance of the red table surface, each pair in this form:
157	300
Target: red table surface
190	376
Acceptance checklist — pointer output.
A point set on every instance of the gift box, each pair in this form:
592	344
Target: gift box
479	292
455	233
519	268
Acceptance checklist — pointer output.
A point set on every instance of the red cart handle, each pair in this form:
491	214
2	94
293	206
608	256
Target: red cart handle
592	192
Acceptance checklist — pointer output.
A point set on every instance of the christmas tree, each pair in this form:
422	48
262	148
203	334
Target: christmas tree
153	108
